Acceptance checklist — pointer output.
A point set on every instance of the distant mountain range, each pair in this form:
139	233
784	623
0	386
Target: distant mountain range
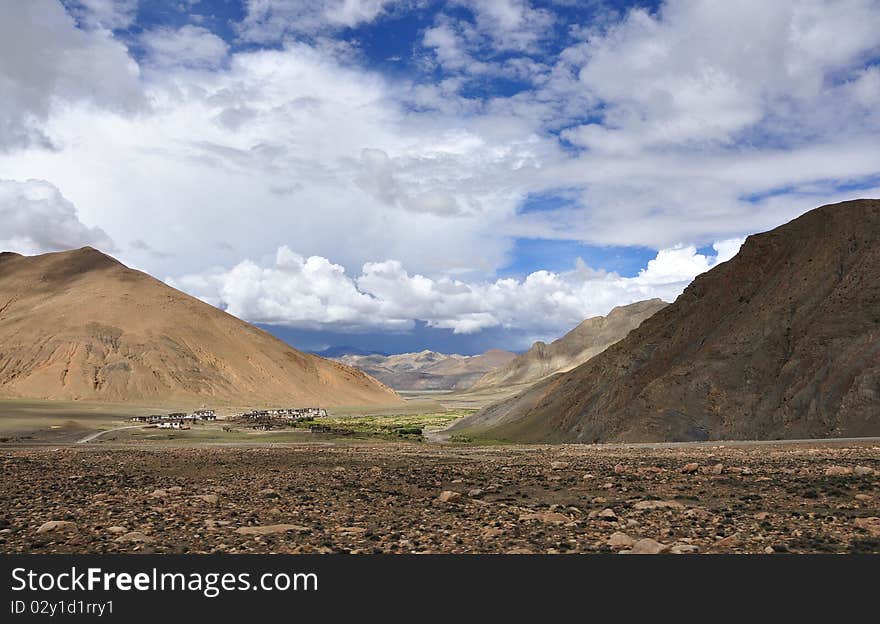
591	337
339	351
79	325
782	341
428	370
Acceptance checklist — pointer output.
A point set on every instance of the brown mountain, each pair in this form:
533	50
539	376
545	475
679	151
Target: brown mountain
782	341
428	370
592	336
78	325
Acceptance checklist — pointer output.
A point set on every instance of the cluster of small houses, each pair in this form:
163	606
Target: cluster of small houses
262	419
298	413
176	420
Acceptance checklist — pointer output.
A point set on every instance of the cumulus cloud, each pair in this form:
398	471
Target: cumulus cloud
272	20
377	178
46	62
36	218
188	46
698	83
314	293
674	125
108	14
294	147
510	24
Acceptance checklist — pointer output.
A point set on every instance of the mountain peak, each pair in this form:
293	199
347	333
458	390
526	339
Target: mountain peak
80	325
781	341
587	339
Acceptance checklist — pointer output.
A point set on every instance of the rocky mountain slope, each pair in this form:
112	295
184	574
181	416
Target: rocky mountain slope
79	325
592	336
782	341
428	370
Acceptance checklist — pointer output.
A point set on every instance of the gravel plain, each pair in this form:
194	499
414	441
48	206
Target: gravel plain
821	497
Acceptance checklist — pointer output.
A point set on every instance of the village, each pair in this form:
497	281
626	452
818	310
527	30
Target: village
258	419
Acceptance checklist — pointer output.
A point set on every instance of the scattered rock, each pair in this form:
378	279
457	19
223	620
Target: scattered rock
870	524
690	468
271	529
838	471
558	465
619	469
717	469
550	517
475	493
269	493
134	537
449	496
620	540
658	504
339	515
684	549
863	471
730	541
646	546
520	551
58	526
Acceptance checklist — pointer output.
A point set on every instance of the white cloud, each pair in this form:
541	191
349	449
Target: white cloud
292	147
36	218
510	24
497	27
46	63
108	14
704	72
678	125
273	20
314	293
188	46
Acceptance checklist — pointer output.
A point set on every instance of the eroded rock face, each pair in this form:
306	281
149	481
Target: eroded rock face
576	347
782	341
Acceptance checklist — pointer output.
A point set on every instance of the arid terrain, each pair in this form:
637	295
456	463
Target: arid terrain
589	338
780	342
815	497
428	370
80	326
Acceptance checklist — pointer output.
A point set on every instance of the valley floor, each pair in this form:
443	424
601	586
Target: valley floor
813	497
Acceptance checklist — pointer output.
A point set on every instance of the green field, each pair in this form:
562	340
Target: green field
401	427
392	425
67	422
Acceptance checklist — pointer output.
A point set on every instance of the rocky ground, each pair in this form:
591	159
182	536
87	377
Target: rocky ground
410	498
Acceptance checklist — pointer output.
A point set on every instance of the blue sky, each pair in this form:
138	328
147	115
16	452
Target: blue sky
419	174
